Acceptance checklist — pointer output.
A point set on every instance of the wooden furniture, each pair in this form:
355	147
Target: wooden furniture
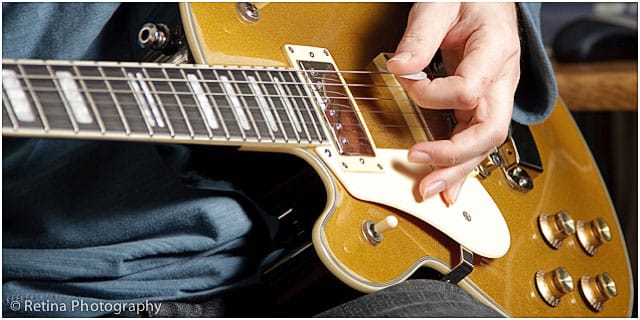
599	86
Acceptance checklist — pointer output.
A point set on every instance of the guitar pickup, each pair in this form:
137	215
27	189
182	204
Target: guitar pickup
518	158
353	144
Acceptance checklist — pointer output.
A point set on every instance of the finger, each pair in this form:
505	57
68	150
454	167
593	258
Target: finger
447	178
427	25
480	69
486	130
471	142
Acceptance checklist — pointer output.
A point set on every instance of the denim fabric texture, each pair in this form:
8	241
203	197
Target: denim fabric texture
90	222
414	298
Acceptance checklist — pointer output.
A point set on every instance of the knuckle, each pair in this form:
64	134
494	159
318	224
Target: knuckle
497	136
469	95
450	159
459	174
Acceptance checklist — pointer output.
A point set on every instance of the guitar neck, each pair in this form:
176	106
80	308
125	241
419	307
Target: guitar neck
158	102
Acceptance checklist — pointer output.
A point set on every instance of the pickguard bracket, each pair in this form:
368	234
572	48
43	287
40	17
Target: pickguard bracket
463	269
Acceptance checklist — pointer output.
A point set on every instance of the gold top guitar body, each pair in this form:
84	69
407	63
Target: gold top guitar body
355	33
503	231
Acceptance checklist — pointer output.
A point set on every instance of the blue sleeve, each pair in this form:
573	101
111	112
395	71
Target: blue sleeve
537	90
60	31
99	31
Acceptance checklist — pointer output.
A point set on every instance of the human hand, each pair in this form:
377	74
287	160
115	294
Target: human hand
480	44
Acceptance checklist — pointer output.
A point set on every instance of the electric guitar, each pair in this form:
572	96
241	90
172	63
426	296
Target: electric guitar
533	234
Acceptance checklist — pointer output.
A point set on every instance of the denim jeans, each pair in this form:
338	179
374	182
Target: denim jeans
414	298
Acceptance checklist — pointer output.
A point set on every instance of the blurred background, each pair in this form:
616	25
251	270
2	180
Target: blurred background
594	48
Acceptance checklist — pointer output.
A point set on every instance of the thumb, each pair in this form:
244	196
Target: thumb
427	26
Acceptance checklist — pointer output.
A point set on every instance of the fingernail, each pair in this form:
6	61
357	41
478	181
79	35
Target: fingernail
453	196
419	156
445	199
434	188
449	199
401	57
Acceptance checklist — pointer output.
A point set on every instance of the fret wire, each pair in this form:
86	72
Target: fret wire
182	110
248	109
257	121
290	92
264	106
9	108
123	118
261	121
62	113
89	97
199	107
235	112
219	94
284	121
311	110
297	108
137	96
157	92
65	102
90	91
273	106
227	97
366	85
160	104
187	66
36	100
216	106
284	107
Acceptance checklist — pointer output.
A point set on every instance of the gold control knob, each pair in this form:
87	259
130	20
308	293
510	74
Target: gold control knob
553	285
556	227
592	234
597	290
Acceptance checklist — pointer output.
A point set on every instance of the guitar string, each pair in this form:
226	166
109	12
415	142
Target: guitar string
333	98
261	125
155	81
161	80
214	81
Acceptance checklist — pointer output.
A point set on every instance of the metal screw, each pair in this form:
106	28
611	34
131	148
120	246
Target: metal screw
495	158
523	182
248	11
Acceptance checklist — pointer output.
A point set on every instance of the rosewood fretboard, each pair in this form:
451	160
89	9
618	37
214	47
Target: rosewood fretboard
185	102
